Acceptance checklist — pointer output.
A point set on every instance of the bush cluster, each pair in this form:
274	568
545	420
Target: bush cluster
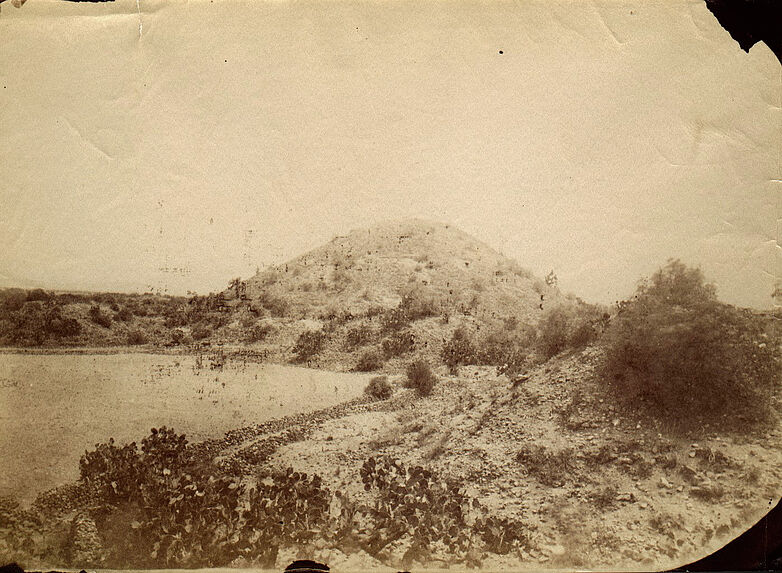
681	356
507	349
259	333
432	510
277	306
415	305
459	350
358	336
167	505
35	323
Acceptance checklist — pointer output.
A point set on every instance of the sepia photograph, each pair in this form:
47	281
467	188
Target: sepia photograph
372	285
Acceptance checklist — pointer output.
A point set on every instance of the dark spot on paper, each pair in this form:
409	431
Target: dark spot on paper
501	51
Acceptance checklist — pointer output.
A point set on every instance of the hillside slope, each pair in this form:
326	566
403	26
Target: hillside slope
393	290
376	266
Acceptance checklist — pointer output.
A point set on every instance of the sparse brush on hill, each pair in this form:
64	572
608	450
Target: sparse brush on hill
124	315
506	348
358	336
201	331
277	306
679	355
259	333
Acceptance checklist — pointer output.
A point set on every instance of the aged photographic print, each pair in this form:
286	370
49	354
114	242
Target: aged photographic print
392	286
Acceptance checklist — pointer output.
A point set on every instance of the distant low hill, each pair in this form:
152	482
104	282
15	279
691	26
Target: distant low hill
373	299
376	267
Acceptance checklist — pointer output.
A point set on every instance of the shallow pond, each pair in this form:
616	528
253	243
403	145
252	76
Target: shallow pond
53	407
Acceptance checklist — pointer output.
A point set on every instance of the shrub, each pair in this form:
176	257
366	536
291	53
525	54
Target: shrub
201	331
358	336
686	359
503	347
458	350
379	388
398	343
276	306
569	326
308	345
415	305
59	326
176	319
177	336
418	304
13	299
139	310
159	507
136	337
124	315
22	533
420	377
394	319
369	361
99	317
259	332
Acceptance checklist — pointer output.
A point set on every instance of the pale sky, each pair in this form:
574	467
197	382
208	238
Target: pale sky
175	145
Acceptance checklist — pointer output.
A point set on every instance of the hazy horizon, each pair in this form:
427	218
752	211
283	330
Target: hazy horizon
172	147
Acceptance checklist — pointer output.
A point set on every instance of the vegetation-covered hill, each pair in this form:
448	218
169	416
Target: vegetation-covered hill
361	301
376	267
